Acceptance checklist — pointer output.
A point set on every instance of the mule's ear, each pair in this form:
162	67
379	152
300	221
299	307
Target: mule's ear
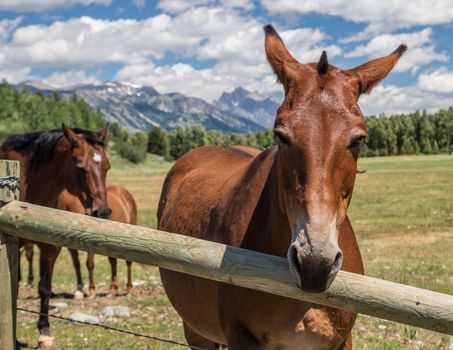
368	75
278	55
72	137
102	134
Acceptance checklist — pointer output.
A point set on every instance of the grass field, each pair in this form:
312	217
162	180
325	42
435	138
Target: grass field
402	212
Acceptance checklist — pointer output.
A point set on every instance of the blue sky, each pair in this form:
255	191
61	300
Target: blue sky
204	47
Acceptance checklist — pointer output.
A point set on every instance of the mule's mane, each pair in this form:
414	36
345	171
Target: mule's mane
40	144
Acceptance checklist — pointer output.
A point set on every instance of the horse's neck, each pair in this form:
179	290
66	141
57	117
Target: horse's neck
45	183
269	230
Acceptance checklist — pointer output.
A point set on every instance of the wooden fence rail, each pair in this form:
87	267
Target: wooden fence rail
366	295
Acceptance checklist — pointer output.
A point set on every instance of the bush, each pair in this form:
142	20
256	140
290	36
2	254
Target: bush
130	152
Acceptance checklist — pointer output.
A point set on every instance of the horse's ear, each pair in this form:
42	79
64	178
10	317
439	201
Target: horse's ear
102	134
368	75
72	137
281	61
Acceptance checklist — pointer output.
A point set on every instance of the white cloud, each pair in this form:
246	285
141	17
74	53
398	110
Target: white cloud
390	99
243	4
421	49
202	33
383	16
14	76
439	80
71	77
43	5
404	13
178	6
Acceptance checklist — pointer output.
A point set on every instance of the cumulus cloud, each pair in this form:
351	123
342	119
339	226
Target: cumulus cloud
421	49
391	99
401	13
178	6
71	77
14	76
382	16
201	33
439	80
43	5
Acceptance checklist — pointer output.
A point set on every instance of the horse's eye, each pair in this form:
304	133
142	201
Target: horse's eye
357	141
282	139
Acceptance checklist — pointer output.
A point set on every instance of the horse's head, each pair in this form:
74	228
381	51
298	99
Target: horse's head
319	128
86	170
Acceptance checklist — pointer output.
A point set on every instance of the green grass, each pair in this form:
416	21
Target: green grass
402	212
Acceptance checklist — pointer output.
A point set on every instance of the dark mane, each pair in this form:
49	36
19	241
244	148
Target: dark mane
39	145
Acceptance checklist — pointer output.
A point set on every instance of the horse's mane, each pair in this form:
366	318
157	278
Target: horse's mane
39	145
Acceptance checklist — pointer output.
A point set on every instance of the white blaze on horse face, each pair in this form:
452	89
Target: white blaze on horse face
97	157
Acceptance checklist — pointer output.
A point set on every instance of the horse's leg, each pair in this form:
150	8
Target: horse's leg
47	259
29	252
240	338
78	294
194	339
114	284
129	278
90	267
347	345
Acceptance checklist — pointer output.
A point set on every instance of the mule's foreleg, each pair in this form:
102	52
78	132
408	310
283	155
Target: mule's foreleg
114	283
195	339
29	252
347	345
241	338
47	260
129	278
90	267
76	263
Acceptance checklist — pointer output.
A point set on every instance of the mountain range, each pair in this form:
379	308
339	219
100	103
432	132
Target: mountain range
142	108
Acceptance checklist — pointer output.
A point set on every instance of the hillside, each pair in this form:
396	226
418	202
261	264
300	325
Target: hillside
141	108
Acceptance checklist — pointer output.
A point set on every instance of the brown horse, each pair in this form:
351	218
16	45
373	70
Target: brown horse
52	161
124	209
290	200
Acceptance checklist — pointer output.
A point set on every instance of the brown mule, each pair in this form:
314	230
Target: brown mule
124	209
290	200
52	161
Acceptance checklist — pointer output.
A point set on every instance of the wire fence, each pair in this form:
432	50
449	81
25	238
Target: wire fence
110	328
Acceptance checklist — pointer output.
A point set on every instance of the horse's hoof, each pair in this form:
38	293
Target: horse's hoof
29	286
78	295
45	341
91	296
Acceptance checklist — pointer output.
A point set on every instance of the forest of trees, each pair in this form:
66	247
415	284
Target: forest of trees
21	111
416	133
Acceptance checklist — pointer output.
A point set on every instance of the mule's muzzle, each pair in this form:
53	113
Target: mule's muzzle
102	213
314	272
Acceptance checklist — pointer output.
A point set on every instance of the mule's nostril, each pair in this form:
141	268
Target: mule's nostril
338	259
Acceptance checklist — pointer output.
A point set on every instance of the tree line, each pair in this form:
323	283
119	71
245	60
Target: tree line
22	111
404	134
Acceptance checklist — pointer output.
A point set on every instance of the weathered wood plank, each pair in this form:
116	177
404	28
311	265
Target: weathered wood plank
367	295
8	265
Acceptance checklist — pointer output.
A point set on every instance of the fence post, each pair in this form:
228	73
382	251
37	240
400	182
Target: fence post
9	190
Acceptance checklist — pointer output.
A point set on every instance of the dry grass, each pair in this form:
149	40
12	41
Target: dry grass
402	212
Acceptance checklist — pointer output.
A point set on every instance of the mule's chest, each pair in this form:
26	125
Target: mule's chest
276	323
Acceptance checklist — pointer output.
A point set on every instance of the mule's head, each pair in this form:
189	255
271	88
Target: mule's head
86	170
319	128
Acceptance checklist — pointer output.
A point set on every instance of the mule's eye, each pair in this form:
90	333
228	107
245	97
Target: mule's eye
281	138
357	141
